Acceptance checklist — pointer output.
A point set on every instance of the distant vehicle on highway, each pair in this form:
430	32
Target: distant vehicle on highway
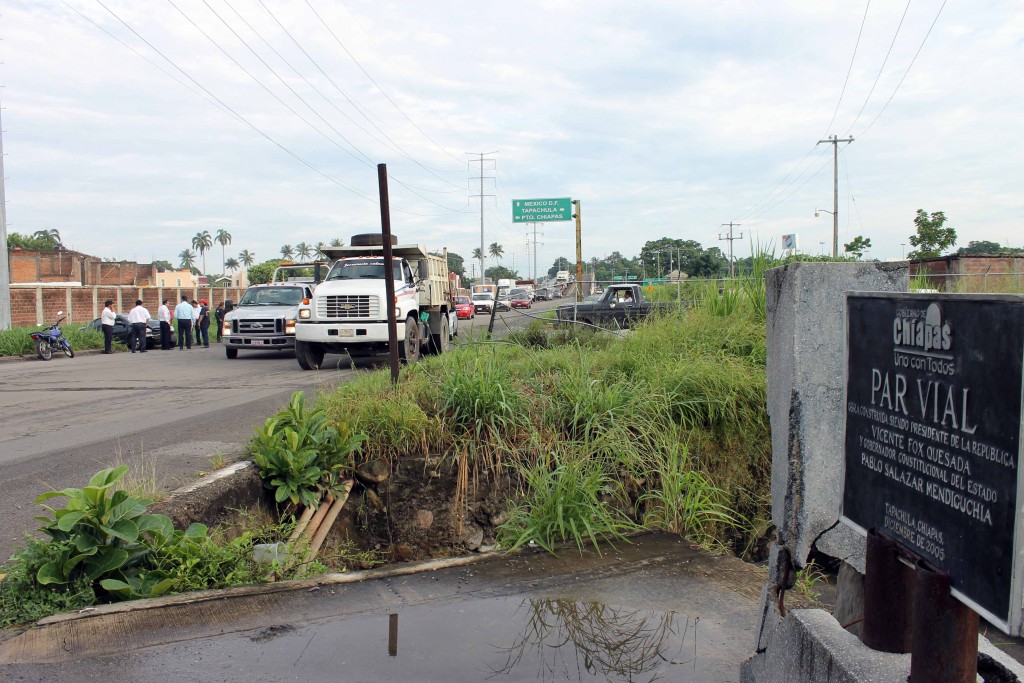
483	302
522	300
464	308
619	306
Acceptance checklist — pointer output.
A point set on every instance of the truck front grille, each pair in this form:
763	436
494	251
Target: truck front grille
347	306
258	326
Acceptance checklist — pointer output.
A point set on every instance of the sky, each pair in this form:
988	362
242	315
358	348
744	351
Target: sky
130	126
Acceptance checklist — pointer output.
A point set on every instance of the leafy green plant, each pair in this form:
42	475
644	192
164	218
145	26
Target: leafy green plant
568	499
301	456
99	531
23	600
807	579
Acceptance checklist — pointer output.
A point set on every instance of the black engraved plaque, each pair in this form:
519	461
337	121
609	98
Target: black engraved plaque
933	434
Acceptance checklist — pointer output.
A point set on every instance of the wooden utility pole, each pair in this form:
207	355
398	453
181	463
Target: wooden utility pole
834	141
579	252
730	237
389	280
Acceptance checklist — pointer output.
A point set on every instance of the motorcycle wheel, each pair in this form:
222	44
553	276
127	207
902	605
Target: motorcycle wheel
44	351
68	351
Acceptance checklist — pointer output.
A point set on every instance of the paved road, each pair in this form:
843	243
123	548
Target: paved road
167	411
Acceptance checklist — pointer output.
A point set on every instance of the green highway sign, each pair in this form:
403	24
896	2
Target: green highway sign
541	210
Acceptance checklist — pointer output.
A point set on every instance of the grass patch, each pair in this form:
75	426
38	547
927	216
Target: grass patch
17	342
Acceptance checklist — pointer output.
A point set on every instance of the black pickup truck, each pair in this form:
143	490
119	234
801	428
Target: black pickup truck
620	306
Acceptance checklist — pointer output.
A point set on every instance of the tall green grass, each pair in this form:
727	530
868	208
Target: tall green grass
572	408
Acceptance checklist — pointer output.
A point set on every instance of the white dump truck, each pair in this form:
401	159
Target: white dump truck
348	311
264	319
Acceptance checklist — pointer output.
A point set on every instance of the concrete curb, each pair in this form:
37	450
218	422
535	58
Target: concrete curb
32	356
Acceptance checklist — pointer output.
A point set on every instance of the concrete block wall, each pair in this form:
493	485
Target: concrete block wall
38	305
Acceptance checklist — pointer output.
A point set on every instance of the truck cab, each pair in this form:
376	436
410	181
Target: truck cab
265	317
348	312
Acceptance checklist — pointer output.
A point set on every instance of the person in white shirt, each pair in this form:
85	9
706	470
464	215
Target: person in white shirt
163	314
183	312
107	320
139	318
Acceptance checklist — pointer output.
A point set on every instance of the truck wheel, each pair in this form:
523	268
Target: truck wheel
310	356
231	353
370	239
439	343
409	347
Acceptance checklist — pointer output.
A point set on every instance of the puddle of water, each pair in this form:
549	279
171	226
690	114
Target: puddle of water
504	640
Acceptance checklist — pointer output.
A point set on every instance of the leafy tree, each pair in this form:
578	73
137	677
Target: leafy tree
232	265
202	242
53	235
496	250
263	272
223	238
287	251
857	246
304	250
456	264
561	263
976	248
933	237
166	265
188	259
38	241
337	243
247	258
498	272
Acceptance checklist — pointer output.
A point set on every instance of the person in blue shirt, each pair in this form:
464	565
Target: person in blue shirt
184	312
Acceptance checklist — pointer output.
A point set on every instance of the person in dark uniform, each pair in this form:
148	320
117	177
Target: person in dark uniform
219	316
203	329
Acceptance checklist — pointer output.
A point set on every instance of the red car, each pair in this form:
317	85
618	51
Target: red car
464	308
521	301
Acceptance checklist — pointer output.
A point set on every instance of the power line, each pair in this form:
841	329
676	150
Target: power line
881	68
355	106
382	91
850	69
794	190
905	73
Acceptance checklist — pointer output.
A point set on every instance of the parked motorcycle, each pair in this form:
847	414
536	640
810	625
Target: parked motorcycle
48	341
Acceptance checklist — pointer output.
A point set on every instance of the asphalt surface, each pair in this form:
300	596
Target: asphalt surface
654	609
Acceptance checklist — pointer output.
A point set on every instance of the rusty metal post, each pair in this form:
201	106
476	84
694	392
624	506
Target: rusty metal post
945	640
888	591
389	280
393	635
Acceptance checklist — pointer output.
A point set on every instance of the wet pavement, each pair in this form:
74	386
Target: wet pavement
655	609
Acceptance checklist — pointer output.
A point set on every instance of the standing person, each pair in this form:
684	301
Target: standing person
107	320
219	317
203	334
183	312
195	320
139	318
163	314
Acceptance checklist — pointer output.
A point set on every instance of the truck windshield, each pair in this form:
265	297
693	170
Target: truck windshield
357	269
272	296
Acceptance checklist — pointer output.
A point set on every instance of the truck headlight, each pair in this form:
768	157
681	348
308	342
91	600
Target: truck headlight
226	327
289	327
304	313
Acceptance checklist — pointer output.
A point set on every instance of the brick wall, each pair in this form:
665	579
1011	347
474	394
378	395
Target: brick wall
973	273
87	302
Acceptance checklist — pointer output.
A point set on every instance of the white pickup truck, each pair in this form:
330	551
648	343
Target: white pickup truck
264	319
348	311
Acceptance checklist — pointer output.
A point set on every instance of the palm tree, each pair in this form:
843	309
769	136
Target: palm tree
53	234
287	251
188	259
232	264
478	255
320	246
223	238
202	243
496	250
247	258
337	243
304	250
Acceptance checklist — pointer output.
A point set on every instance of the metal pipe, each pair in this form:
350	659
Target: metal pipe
945	639
888	587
